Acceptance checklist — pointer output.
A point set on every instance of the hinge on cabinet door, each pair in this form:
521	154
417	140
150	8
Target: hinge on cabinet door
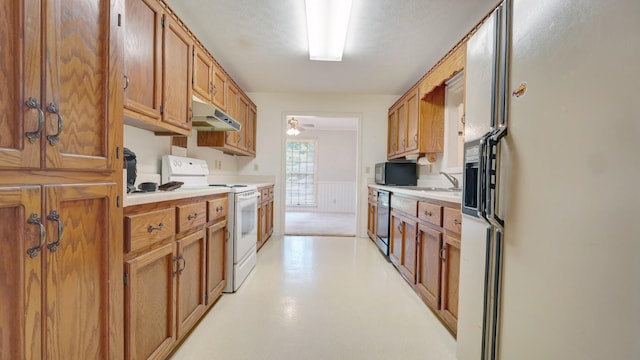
126	279
162	22
117	152
439	301
206	298
118	201
161	109
119	20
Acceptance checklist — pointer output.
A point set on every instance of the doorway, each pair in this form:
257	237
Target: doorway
321	175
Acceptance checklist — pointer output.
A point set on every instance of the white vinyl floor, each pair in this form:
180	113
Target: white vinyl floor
319	223
320	298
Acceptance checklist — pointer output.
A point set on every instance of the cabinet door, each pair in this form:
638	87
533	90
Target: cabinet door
413	107
243	113
251	130
80	80
202	74
176	70
429	265
220	88
21	125
150	298
216	242
269	218
81	257
402	127
142	61
392	141
408	267
371	221
450	281
396	230
191	280
21	259
261	224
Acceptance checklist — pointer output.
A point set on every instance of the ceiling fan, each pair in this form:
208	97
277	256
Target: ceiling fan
295	127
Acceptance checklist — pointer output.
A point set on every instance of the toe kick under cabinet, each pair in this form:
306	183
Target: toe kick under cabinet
174	270
425	248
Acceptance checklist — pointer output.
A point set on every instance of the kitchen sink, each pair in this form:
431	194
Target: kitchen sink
431	188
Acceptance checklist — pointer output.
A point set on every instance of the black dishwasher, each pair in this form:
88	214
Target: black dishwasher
382	232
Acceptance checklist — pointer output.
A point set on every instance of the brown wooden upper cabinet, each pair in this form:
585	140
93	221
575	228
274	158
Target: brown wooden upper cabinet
158	66
416	120
209	80
55	81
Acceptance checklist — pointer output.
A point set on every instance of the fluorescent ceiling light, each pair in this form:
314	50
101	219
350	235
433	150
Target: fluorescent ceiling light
327	24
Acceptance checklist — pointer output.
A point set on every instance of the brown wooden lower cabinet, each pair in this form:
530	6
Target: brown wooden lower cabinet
425	248
175	275
55	261
265	214
372	213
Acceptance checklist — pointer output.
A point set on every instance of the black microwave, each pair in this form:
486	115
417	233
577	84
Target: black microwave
397	173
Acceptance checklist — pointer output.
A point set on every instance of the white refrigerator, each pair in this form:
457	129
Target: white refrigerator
550	254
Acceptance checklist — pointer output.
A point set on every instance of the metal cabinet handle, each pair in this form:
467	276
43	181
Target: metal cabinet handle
34	219
400	228
219	208
215	89
184	263
415	138
32	103
456	222
192	217
151	228
54	216
428	213
53	139
443	254
126	82
175	260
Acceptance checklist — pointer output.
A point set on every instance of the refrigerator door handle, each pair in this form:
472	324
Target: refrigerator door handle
482	178
492	177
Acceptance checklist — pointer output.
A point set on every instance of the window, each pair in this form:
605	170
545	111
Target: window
300	173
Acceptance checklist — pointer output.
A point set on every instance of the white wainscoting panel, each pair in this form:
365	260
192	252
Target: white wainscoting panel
337	196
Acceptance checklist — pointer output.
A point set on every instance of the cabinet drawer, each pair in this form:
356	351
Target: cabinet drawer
430	213
145	229
409	206
191	216
452	220
217	208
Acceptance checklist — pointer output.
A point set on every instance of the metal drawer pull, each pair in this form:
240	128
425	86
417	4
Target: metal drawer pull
54	216
126	82
219	208
443	254
456	222
53	139
428	213
32	103
400	229
192	217
34	219
159	227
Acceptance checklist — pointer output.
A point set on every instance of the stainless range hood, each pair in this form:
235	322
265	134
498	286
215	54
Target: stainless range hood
208	117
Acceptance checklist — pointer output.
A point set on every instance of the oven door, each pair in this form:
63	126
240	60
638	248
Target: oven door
246	226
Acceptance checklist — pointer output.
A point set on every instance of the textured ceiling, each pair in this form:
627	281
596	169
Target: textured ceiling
262	44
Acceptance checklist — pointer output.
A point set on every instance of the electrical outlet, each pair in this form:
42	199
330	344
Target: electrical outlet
255	167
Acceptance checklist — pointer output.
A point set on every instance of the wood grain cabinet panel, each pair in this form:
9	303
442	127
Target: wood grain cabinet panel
216	245
220	88
176	73
150	298
191	280
203	69
429	265
21	283
142	61
191	216
217	208
430	213
450	282
143	230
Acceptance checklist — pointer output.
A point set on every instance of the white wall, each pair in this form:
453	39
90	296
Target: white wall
272	108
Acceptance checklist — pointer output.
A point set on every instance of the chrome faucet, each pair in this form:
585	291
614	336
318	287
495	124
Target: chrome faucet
452	179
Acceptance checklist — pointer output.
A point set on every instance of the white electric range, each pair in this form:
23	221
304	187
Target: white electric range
242	214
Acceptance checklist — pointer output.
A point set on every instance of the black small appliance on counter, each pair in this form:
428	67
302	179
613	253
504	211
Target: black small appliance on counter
397	173
130	164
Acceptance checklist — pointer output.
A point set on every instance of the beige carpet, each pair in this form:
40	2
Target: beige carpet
320	223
